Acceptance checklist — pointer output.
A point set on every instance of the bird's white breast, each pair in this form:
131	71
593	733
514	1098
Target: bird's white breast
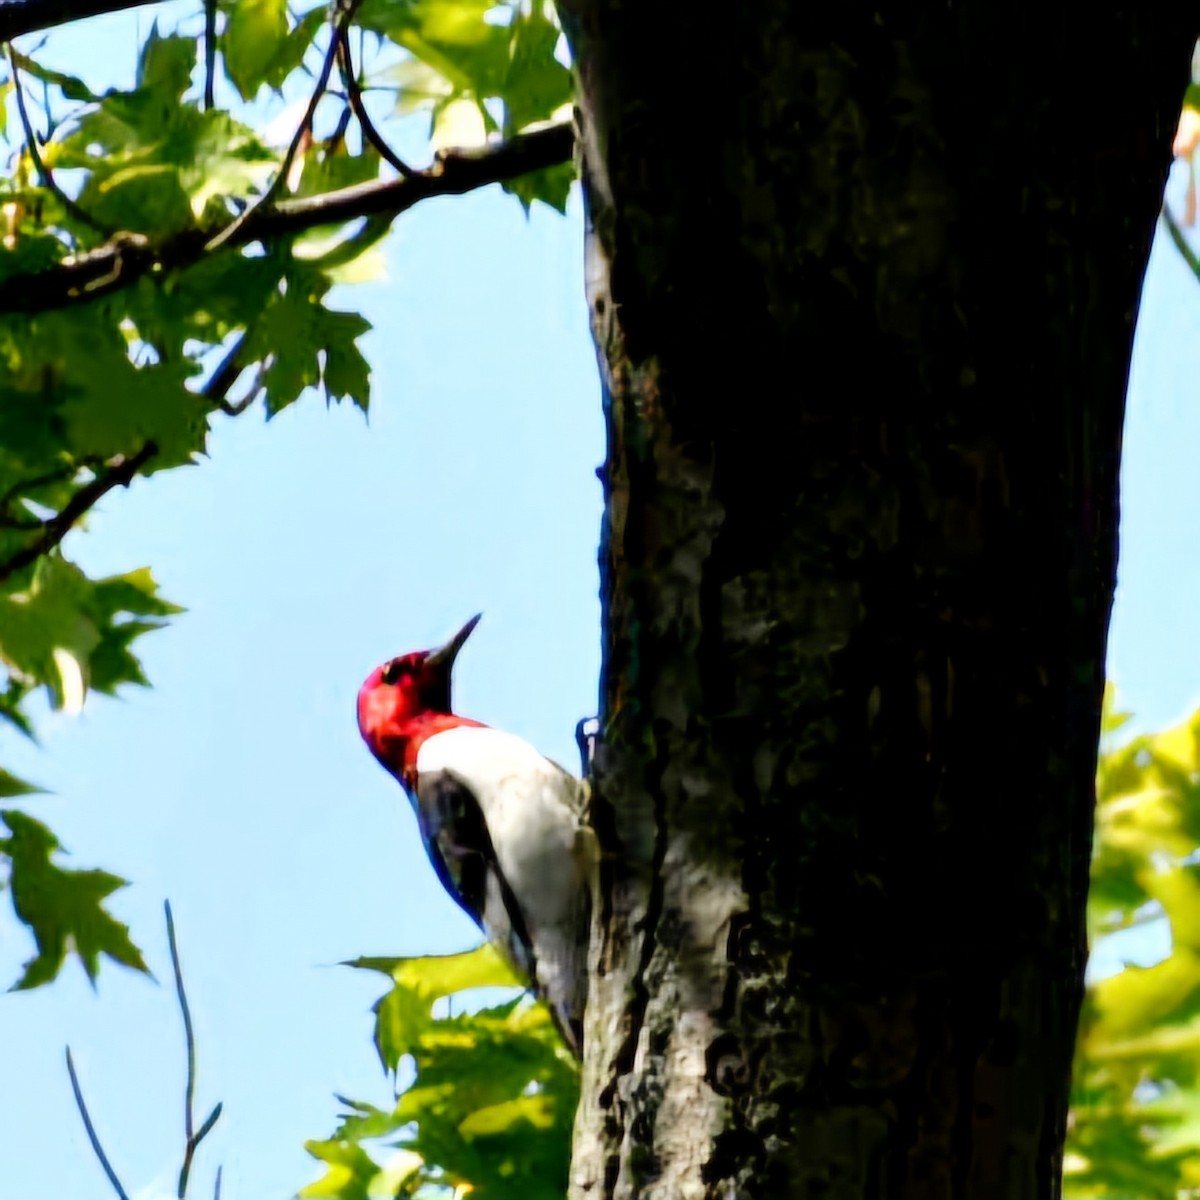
530	805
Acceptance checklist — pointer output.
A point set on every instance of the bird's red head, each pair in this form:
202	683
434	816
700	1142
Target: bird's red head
407	699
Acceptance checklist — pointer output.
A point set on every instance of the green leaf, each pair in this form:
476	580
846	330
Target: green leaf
71	87
52	615
11	786
255	35
452	36
536	84
492	1104
65	612
166	65
418	86
10	710
134	592
365	1121
1134	1117
436	975
550	185
109	405
63	908
154	165
142	198
292	50
308	344
350	1171
503	1118
347	374
326	169
34	250
221	158
401	1016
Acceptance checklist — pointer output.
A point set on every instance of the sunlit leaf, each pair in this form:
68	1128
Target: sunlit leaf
254	35
349	1172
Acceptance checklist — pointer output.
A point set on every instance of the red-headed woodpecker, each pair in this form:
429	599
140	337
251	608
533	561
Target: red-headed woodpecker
502	824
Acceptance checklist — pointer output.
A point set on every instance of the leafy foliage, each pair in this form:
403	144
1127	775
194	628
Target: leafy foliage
61	907
140	304
491	1097
1135	1127
469	1117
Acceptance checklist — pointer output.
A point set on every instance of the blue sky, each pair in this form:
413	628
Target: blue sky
308	550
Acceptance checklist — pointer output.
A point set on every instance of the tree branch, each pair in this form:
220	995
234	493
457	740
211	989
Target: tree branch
123	261
1180	239
59	475
216	390
119	471
28	16
91	1130
230	234
44	174
193	1137
354	95
210	52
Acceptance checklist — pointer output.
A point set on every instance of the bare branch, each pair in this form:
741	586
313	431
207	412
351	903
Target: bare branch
1180	239
122	262
210	52
193	1137
59	475
117	472
189	1037
44	174
28	16
224	377
91	1130
304	130
354	95
216	390
28	524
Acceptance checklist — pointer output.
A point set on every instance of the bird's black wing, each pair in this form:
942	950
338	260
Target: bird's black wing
460	848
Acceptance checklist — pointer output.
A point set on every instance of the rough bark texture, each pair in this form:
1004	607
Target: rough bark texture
862	283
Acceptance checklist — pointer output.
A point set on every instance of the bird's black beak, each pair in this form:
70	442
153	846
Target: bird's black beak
444	658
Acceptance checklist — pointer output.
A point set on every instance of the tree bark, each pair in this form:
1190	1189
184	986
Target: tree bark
862	285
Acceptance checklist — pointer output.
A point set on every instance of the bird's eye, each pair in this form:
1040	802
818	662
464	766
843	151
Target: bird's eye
392	672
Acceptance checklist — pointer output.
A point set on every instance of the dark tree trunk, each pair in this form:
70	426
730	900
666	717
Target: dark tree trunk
862	283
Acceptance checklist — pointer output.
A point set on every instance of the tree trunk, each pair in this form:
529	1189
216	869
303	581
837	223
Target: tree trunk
862	284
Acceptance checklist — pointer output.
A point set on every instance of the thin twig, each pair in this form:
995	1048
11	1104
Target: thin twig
189	1036
25	524
193	1136
210	52
217	1186
216	390
119	264
91	1130
119	471
26	16
224	377
44	174
304	129
61	475
339	130
354	95
1181	242
252	393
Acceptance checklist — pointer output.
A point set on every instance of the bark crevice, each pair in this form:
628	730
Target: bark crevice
864	330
